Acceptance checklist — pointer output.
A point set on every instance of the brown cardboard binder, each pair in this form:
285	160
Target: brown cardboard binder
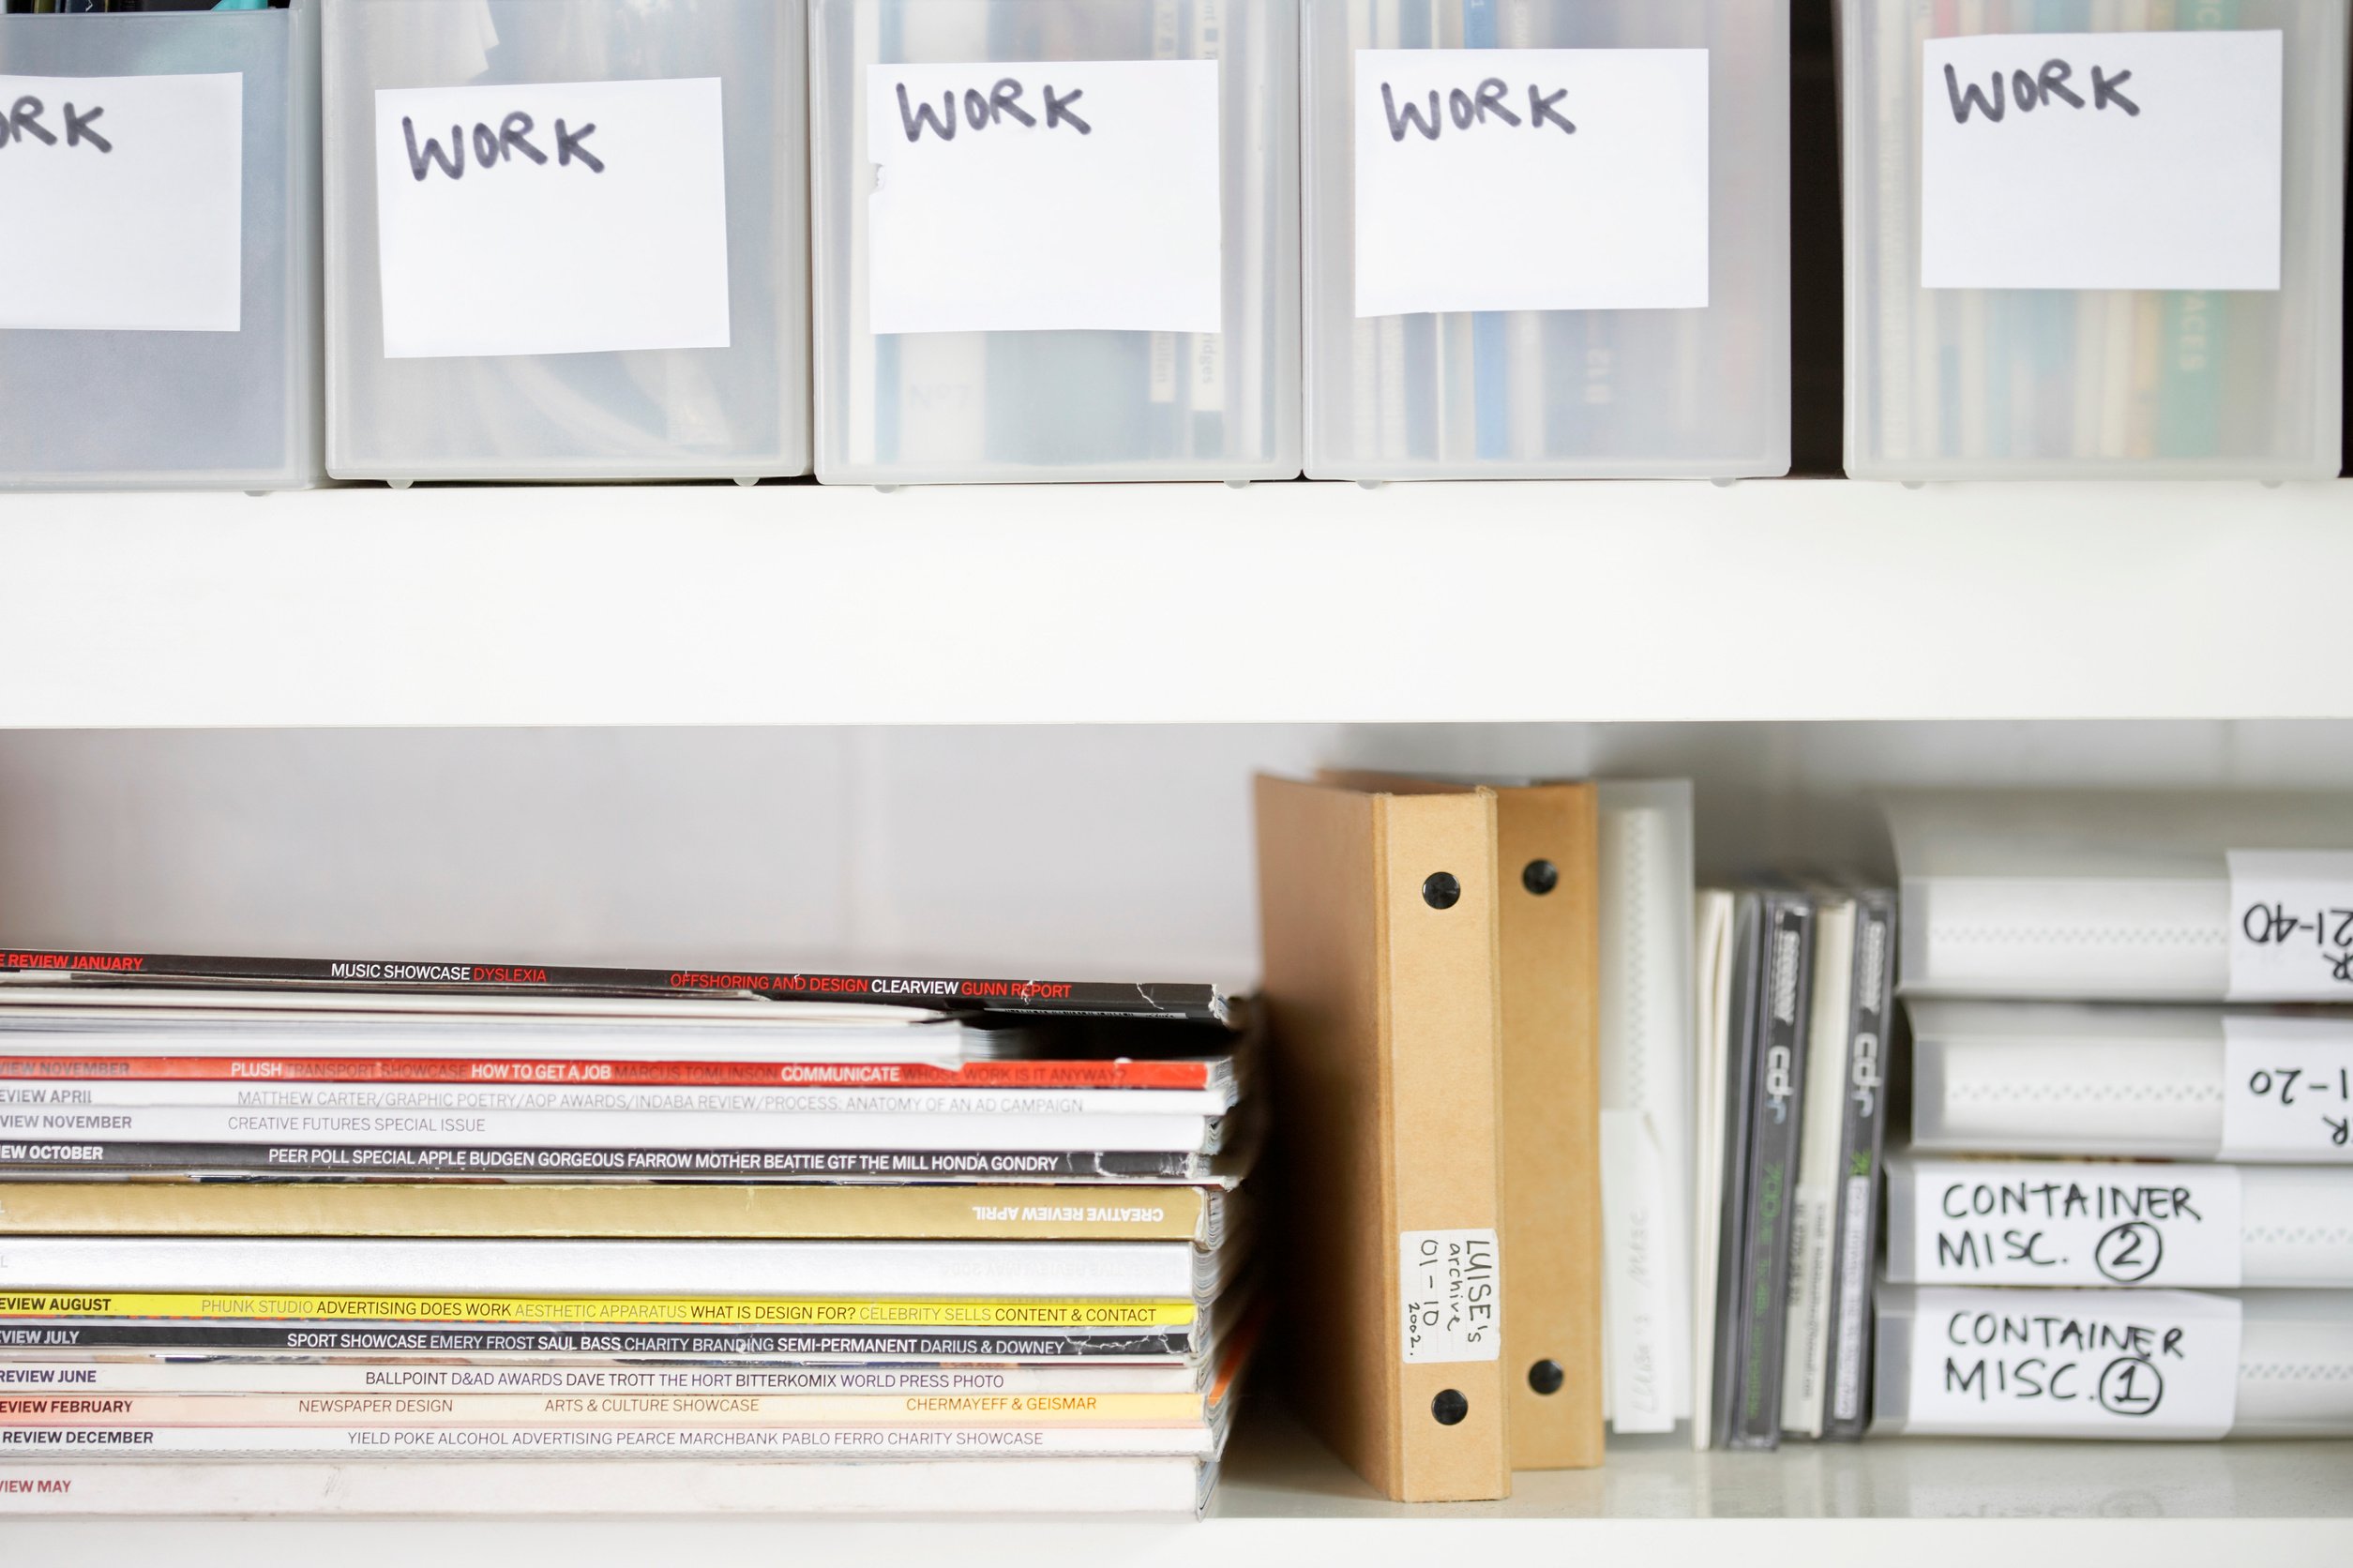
1549	961
1378	918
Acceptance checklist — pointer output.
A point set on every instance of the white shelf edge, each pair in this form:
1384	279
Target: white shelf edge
1287	1502
1066	1542
1507	602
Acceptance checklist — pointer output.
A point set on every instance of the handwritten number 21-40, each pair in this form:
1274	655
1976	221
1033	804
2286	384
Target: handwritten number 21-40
2268	924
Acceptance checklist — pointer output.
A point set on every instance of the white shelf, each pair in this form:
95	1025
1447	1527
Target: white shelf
1168	604
1286	1503
1277	1472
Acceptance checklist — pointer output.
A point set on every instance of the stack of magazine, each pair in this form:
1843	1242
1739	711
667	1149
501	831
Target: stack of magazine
1793	986
292	1236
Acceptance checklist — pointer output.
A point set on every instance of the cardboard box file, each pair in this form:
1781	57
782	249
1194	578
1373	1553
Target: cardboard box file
1548	960
1378	913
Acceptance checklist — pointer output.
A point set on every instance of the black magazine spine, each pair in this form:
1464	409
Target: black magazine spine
571	1164
1739	1058
1778	1098
1847	1385
1069	998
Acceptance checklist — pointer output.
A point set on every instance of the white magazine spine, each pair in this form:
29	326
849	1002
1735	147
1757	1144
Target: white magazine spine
596	1099
607	1487
856	1413
772	1444
619	1129
1165	1270
178	1374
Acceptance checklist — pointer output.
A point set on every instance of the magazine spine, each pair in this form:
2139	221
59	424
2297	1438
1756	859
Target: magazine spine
1076	997
573	1163
704	1343
519	1309
753	1442
869	1076
570	1128
624	1210
667	1487
591	1409
229	1376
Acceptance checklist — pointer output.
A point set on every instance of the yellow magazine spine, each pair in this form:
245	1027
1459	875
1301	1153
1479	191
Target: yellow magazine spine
618	1210
766	1311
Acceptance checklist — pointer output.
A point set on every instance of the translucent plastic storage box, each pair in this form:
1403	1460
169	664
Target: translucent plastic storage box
593	265
1174	355
1492	294
2121	293
2092	893
190	356
2295	1363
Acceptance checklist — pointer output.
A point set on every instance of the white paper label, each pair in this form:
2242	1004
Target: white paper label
124	202
2082	1363
2004	1222
557	218
1530	179
1636	1311
1453	1302
1853	1307
2291	925
2102	160
2288	1091
1042	197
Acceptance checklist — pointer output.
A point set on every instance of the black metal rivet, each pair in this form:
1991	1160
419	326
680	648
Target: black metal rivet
1540	877
1546	1377
1441	891
1450	1406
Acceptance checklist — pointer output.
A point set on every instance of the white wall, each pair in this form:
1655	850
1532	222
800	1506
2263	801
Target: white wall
1078	851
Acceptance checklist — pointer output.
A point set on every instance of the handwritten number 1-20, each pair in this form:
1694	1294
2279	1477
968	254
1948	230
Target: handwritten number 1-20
2262	1083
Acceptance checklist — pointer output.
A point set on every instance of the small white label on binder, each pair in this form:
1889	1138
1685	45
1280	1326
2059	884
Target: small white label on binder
124	202
558	217
1636	1306
2291	925
2288	1091
2102	160
1979	1222
2073	1364
1068	195
1853	1320
1530	179
1453	1295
